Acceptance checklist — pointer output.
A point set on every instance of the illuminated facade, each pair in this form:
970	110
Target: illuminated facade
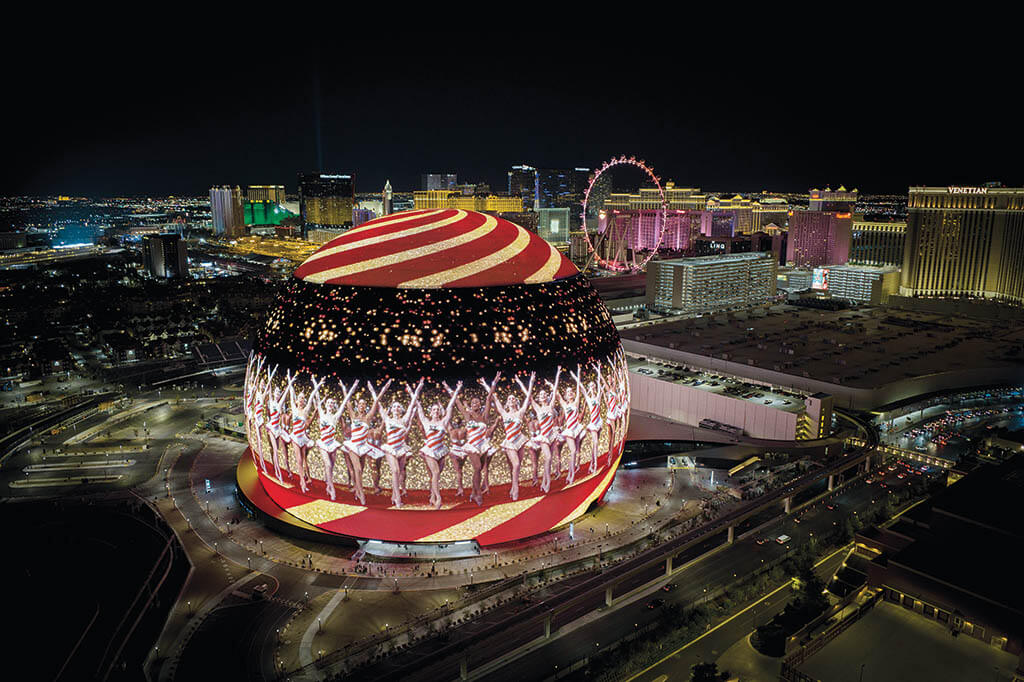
742	211
455	368
522	182
638	229
839	200
265	213
553	225
325	201
818	238
768	212
227	211
964	241
858	283
271	193
877	242
678	198
699	285
444	199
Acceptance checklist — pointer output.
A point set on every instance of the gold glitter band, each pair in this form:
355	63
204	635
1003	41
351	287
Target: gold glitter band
489	261
582	508
547	271
323	511
402	256
348	245
481	523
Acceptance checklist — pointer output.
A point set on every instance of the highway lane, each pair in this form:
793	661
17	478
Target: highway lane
743	557
710	646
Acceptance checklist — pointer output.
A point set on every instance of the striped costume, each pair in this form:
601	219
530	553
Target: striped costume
514	438
572	427
433	441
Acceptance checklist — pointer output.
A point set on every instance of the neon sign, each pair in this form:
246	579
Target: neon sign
968	190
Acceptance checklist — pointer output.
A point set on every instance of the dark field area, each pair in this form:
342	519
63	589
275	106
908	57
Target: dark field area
87	588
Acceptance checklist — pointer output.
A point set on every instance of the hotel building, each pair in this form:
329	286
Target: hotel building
818	238
964	241
326	201
877	242
700	285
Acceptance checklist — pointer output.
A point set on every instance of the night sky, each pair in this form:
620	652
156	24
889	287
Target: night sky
724	102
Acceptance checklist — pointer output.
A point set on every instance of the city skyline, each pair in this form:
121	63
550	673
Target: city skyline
592	343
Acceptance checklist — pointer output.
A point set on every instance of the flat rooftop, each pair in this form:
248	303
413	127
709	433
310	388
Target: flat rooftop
719	384
865	347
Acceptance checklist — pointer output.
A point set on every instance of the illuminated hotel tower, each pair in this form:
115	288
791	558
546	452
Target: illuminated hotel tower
387	199
964	241
226	211
819	238
326	201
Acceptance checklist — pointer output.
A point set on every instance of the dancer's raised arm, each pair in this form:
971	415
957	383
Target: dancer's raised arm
314	395
451	404
463	410
347	393
413	401
490	391
376	400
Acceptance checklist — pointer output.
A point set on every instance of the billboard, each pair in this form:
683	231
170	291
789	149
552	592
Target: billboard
819	279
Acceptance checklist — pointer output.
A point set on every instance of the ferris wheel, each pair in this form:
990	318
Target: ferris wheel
619	242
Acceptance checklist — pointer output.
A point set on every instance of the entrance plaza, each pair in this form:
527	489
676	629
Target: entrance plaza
895	644
337	597
638	502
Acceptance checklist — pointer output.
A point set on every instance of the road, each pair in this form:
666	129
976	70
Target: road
741	558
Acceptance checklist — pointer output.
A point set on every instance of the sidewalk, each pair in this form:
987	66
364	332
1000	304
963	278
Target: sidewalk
624	518
746	664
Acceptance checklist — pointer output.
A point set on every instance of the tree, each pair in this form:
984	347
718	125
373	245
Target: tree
707	672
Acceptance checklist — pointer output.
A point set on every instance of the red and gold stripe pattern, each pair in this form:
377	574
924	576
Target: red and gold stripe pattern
491	524
432	249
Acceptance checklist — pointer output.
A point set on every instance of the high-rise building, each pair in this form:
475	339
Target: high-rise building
964	241
522	182
740	208
719	223
227	211
699	285
434	181
742	243
840	200
362	215
326	201
770	211
272	193
554	187
877	242
858	283
166	256
388	199
553	225
818	238
640	227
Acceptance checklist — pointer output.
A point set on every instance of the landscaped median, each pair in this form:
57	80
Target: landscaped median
680	625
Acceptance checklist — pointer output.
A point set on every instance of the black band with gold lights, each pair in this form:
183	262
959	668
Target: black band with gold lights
355	332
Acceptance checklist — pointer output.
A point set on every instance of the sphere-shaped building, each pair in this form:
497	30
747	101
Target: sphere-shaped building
435	376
